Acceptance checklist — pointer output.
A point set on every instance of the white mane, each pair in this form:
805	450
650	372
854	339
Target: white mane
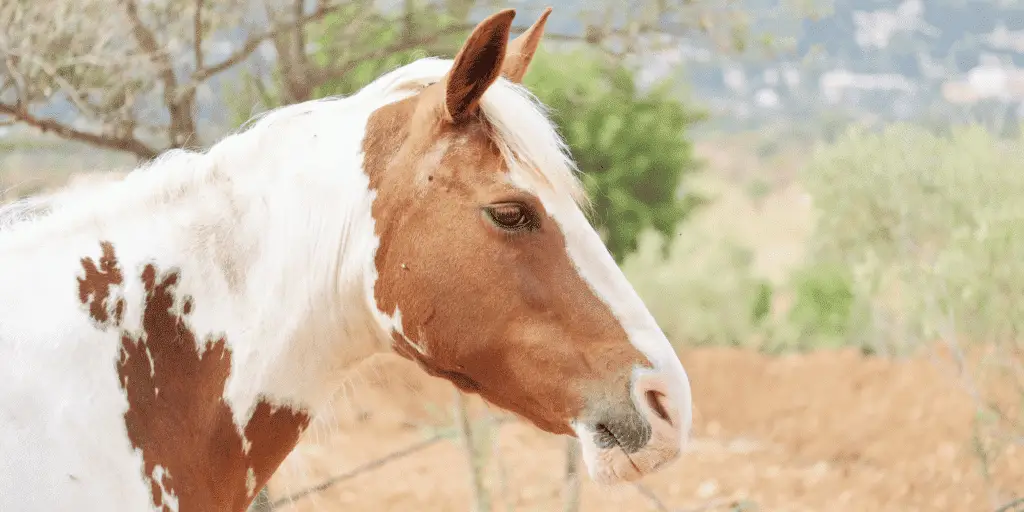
523	133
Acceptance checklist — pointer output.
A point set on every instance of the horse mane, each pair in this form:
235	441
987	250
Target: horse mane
522	131
23	210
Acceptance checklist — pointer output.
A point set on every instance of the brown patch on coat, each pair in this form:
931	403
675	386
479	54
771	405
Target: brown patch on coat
95	286
504	315
177	416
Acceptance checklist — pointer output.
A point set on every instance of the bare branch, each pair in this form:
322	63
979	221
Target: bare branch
197	28
183	125
70	91
128	144
16	79
148	43
251	45
299	36
571	502
728	504
1012	506
481	498
370	466
324	75
653	498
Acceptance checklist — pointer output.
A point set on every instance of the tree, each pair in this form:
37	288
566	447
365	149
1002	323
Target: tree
128	76
631	144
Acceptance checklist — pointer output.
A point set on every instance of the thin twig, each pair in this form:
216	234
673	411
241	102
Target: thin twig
70	91
183	125
197	28
498	459
733	504
299	35
147	41
571	502
653	498
1017	504
369	466
481	501
251	44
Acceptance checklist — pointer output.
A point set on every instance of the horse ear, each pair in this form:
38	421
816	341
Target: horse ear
521	49
477	65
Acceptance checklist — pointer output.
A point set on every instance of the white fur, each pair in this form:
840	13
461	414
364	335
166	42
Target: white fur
238	222
248	207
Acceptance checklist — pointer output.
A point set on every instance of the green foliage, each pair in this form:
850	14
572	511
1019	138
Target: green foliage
930	226
630	144
918	236
823	306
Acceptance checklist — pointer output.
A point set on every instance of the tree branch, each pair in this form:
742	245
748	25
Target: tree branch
183	123
481	497
571	500
300	37
1011	506
128	144
247	49
148	43
324	75
653	498
17	80
408	450
197	29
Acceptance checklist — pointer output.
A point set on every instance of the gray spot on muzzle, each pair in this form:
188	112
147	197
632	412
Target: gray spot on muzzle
620	425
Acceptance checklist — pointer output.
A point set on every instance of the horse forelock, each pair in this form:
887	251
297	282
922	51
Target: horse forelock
528	140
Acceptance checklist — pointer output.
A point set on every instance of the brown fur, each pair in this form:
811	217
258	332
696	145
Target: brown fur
177	416
503	315
94	288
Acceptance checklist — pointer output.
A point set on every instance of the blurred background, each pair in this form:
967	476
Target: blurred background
822	201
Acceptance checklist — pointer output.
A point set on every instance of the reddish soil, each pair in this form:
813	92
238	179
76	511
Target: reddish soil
830	431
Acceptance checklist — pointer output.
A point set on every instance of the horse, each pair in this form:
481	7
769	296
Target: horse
166	338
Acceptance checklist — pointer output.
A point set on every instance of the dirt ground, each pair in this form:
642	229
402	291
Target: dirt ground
830	431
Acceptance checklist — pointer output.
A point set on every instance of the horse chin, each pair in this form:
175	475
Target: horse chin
610	466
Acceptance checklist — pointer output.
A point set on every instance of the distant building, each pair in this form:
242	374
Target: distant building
990	80
836	84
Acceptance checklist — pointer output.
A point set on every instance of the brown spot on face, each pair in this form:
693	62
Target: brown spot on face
177	416
498	313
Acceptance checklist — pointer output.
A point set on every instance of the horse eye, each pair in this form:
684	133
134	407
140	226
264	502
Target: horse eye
511	217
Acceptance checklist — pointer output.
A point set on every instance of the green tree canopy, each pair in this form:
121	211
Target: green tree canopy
630	145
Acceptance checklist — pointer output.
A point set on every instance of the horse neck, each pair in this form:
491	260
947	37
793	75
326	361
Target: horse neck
272	236
238	294
308	285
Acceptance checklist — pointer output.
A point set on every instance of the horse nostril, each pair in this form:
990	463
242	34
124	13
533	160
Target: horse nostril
654	400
